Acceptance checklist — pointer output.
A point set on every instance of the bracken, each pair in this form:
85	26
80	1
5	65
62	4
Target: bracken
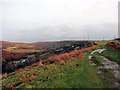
66	56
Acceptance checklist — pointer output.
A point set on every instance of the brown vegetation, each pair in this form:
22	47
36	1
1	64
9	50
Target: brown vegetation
115	45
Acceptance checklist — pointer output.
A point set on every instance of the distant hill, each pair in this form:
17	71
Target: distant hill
17	45
43	44
35	45
117	39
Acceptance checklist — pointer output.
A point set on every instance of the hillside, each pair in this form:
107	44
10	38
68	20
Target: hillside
73	73
68	64
17	45
17	58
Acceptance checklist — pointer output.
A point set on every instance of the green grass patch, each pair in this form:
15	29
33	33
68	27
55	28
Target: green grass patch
24	51
98	59
112	54
74	73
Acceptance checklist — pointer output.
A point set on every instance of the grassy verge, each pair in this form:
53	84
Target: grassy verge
97	59
73	73
107	75
112	54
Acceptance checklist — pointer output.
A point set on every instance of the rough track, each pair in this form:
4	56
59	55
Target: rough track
113	67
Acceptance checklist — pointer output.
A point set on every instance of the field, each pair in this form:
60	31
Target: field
65	64
74	73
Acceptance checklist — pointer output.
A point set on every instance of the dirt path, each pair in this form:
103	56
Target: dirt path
108	69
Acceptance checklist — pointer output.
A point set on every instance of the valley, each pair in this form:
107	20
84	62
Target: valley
64	64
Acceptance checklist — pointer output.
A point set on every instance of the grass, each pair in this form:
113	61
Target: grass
112	54
98	58
73	73
107	76
24	51
102	42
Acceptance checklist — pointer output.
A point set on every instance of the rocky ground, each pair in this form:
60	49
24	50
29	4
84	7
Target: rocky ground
108	69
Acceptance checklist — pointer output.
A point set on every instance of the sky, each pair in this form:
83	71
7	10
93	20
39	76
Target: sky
50	20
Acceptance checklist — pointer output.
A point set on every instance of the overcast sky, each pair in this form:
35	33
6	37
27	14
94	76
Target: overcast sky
46	20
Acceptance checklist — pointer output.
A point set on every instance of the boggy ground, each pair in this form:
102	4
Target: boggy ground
107	61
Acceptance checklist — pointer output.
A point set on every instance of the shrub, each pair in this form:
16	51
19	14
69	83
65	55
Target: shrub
23	78
115	45
66	56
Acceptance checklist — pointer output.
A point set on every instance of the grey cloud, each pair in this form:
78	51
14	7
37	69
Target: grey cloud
60	32
41	20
